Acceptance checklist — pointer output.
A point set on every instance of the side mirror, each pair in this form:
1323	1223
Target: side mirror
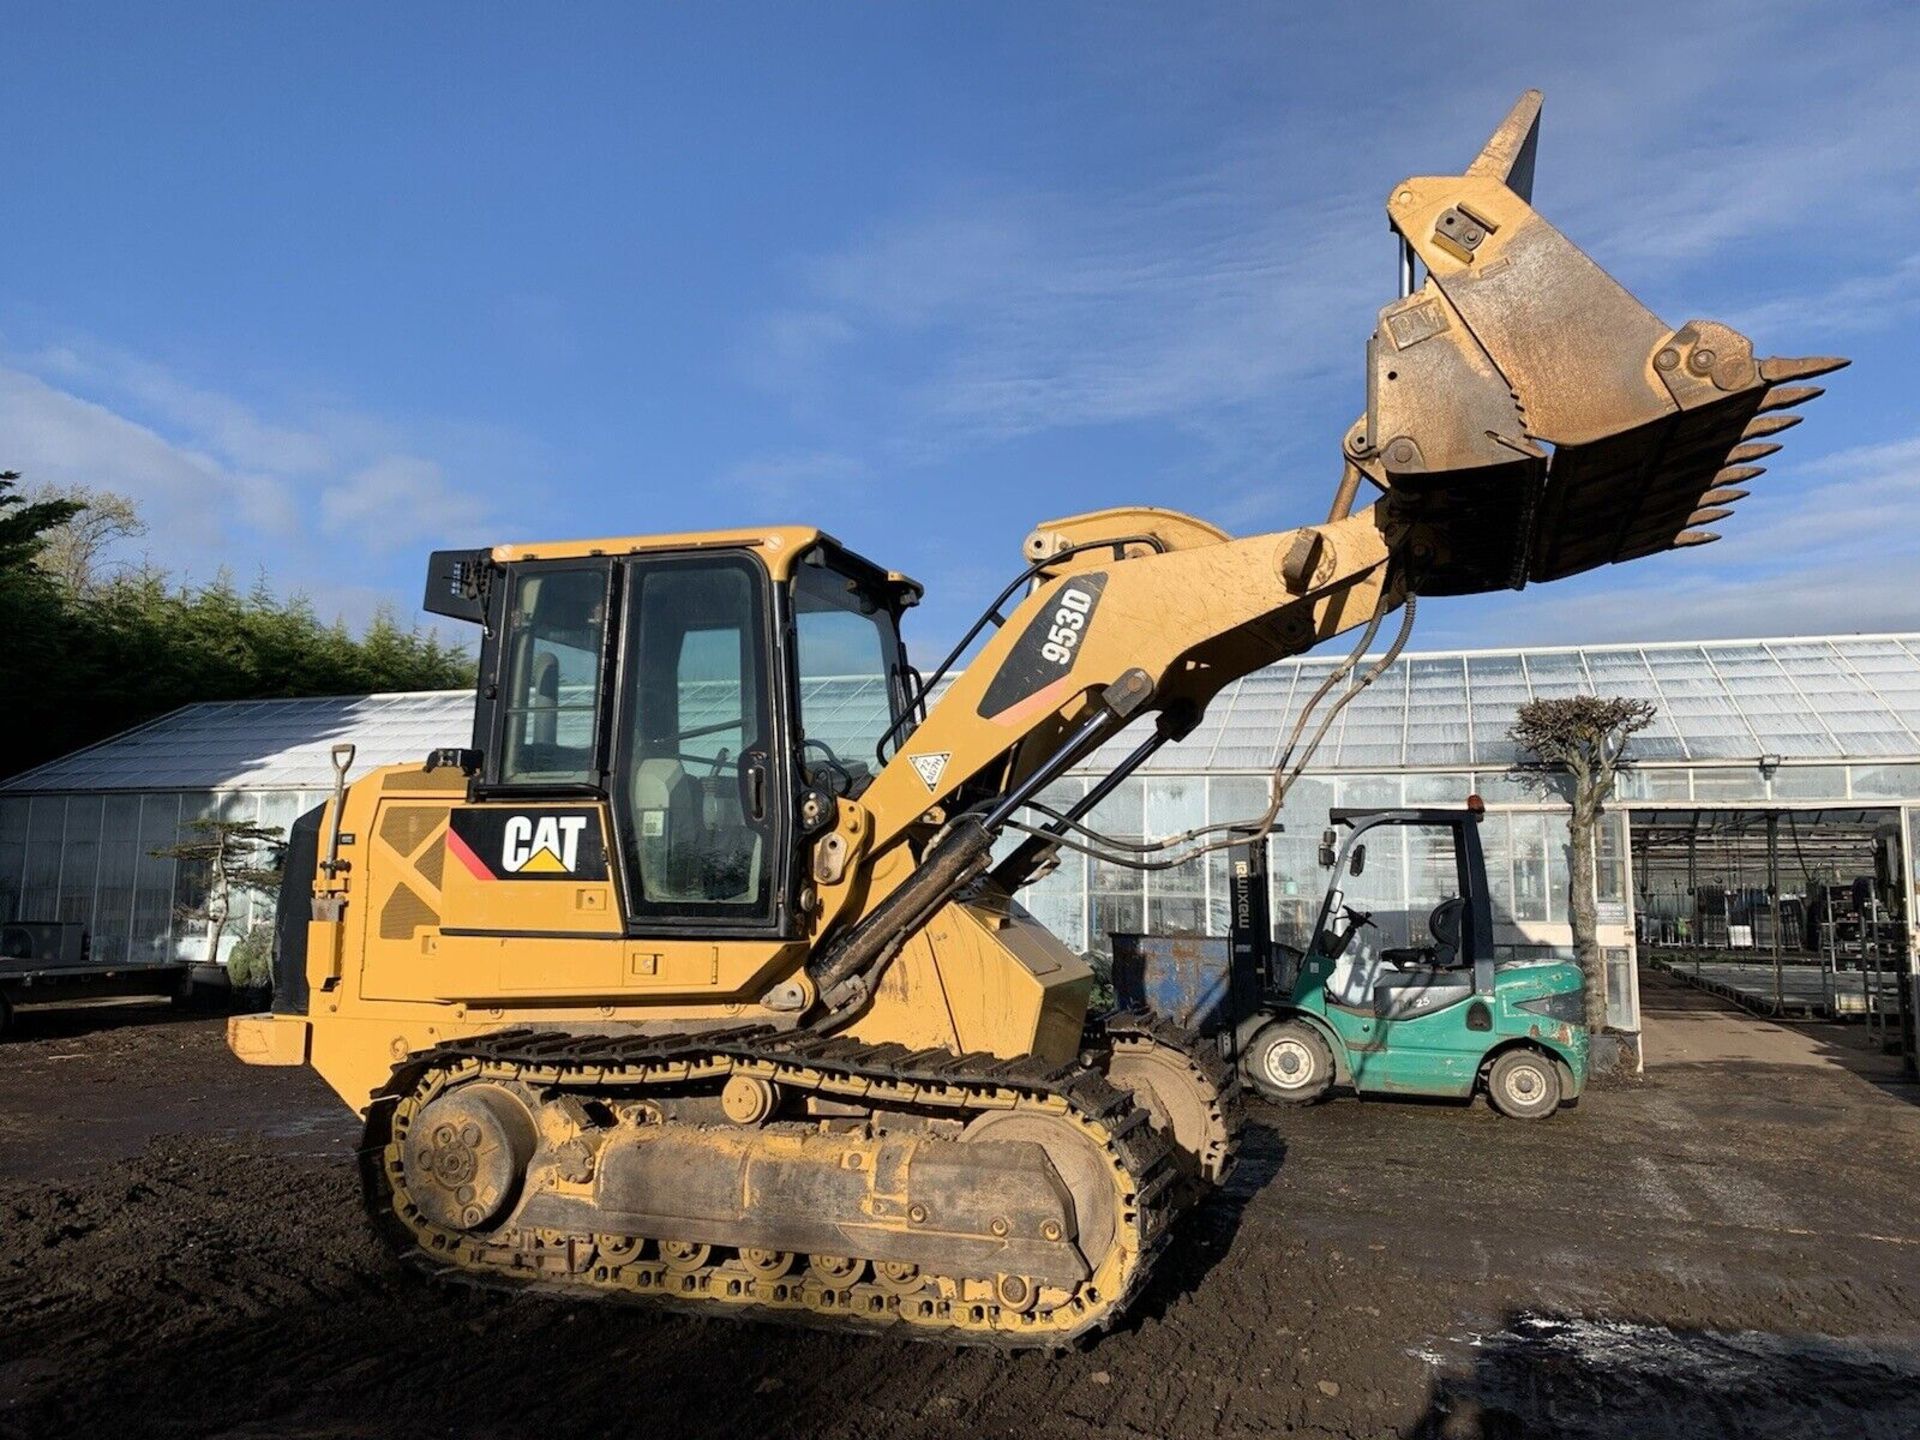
1358	862
1327	855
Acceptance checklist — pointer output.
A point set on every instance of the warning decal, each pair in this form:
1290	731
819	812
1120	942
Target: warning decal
931	767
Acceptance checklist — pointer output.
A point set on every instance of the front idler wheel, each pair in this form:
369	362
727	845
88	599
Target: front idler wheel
465	1156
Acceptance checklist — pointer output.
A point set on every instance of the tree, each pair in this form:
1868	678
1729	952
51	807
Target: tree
92	651
26	521
1582	738
231	859
70	552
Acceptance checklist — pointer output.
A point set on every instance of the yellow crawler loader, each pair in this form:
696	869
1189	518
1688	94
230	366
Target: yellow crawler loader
698	976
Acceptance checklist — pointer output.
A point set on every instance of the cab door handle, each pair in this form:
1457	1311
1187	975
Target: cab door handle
753	777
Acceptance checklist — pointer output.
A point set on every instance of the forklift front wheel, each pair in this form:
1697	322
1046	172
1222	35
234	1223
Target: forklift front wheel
1289	1061
1524	1085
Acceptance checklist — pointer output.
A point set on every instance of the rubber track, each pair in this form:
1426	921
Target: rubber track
594	1062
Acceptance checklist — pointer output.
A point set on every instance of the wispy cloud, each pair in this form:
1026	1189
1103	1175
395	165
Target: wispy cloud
319	496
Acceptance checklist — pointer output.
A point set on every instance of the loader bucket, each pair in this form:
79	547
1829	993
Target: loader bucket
1528	418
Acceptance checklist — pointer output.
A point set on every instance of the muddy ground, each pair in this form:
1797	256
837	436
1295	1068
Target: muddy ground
1726	1248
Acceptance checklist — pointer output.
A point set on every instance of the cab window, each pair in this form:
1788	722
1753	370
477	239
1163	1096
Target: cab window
555	636
849	667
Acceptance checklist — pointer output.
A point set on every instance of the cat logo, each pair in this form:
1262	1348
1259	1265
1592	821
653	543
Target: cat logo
495	843
547	846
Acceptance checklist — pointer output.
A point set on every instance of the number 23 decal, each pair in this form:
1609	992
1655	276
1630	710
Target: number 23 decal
1063	635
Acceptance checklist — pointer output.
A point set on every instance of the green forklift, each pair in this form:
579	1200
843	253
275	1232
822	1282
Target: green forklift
1400	1003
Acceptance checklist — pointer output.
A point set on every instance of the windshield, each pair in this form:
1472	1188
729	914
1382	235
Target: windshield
850	665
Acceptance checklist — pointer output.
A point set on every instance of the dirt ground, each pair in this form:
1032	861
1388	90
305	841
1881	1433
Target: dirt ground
1730	1247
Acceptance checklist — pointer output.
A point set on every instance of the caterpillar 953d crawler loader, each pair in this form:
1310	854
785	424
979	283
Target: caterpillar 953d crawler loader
698	977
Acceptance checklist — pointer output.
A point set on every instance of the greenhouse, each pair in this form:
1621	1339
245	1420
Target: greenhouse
1824	732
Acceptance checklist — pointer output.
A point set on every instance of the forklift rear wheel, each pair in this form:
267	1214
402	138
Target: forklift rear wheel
1289	1061
6	1015
1524	1085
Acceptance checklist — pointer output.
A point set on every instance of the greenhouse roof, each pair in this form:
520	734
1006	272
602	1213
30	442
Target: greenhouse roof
260	744
1725	701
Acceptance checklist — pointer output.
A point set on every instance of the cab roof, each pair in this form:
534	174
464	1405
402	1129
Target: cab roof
780	548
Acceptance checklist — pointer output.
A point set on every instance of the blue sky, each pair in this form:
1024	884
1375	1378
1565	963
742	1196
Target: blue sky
327	286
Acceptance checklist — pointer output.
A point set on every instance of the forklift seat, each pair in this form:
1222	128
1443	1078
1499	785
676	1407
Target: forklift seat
1444	951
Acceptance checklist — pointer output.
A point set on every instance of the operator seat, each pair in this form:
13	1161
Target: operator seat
1444	924
1443	953
669	828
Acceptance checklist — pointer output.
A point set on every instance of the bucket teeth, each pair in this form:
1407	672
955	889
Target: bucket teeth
1782	397
1769	425
1740	454
1724	496
1777	368
1693	537
1738	474
1708	516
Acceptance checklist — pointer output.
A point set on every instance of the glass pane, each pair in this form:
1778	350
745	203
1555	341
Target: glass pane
1175	805
697	758
119	863
1810	782
13	854
1121	815
153	879
849	658
40	890
1114	914
1530	878
555	637
1620	991
80	859
1886	782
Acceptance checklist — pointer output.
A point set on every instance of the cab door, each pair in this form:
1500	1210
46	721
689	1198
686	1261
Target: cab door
701	790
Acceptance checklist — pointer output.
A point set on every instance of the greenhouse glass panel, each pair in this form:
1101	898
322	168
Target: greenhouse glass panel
119	865
1438	789
1886	782
1368	790
1059	902
1437	712
1609	874
1117	894
153	879
13	854
1114	914
1496	848
1714	782
1620	990
1529	867
80	859
1173	806
40	886
1559	865
1557	676
1810	782
1498	686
